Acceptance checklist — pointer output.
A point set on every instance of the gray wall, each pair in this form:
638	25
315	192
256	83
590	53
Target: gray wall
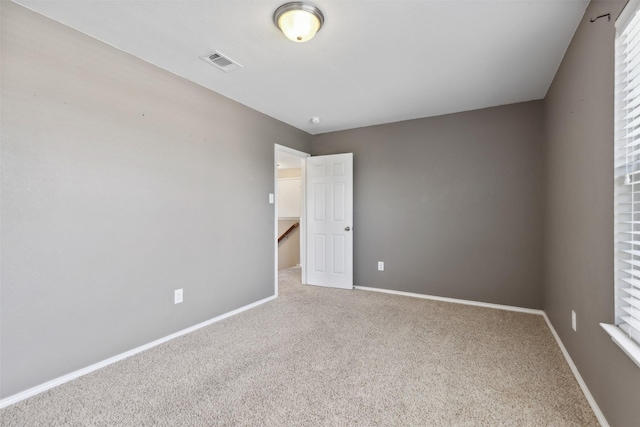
116	191
451	204
578	248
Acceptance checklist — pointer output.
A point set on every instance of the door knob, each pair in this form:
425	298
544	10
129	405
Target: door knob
347	228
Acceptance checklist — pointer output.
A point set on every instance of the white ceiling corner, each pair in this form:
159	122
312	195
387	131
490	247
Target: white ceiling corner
373	62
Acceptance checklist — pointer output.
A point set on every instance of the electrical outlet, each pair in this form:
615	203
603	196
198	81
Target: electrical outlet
380	265
573	320
177	296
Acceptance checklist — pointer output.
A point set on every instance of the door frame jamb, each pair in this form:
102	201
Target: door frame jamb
303	223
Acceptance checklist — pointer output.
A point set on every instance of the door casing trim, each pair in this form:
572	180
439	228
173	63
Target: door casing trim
303	223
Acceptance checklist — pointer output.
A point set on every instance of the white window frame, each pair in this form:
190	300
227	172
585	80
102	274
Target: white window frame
626	330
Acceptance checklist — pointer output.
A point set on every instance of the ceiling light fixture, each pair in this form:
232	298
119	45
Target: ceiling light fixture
298	20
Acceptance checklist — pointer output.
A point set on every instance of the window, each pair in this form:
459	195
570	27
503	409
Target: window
626	332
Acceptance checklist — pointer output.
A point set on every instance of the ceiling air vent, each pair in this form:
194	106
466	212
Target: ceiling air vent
220	61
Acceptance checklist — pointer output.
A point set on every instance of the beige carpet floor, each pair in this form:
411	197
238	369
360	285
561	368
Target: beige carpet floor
325	357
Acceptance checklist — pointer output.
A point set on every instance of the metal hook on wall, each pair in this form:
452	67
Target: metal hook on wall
608	15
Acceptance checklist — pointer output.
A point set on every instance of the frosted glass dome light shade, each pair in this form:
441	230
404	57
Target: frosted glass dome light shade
299	21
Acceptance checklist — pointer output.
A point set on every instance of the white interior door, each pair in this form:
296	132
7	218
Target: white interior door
329	214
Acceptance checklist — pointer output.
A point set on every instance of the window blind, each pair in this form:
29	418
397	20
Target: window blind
627	172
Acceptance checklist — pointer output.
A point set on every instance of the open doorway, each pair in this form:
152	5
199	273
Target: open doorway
290	224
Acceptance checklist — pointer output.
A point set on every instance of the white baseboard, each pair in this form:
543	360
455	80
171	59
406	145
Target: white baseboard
454	300
592	402
73	375
574	369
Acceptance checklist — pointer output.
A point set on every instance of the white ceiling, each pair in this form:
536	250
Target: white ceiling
373	62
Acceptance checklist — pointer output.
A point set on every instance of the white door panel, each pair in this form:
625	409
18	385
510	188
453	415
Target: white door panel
329	210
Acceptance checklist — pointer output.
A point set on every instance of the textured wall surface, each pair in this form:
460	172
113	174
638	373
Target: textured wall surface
115	192
578	249
451	204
